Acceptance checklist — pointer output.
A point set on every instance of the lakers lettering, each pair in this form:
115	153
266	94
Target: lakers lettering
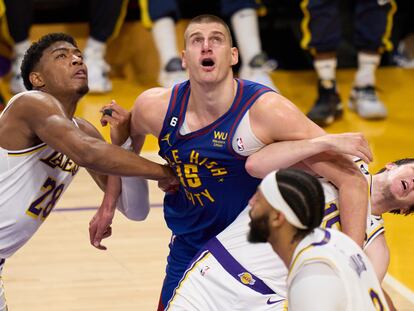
57	159
189	175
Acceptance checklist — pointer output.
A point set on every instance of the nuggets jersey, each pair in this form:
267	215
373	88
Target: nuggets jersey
362	289
215	186
31	182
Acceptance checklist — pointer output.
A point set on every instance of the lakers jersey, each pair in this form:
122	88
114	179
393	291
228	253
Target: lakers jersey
31	183
338	251
331	219
214	185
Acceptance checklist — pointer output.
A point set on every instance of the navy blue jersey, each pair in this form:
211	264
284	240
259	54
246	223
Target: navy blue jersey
214	184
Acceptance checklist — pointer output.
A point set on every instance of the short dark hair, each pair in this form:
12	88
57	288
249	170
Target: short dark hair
35	52
304	194
400	162
207	19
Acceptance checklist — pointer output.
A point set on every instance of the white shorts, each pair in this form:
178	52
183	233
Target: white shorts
202	285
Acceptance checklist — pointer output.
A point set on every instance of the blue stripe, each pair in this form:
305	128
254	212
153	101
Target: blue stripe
235	268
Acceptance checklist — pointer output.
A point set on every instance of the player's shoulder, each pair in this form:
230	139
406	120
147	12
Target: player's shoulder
154	95
28	102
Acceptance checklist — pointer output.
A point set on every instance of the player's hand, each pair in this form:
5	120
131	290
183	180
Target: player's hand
353	144
119	120
170	183
100	226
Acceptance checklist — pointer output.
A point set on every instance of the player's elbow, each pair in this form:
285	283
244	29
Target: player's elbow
254	168
85	154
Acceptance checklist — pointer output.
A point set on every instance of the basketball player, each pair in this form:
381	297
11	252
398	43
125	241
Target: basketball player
392	190
206	127
42	145
327	270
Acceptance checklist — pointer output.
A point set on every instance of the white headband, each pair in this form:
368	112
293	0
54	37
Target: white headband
272	194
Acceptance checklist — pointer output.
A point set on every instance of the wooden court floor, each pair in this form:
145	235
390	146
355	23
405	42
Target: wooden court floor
59	270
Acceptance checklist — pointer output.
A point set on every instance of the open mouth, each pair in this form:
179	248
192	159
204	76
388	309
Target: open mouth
80	73
207	63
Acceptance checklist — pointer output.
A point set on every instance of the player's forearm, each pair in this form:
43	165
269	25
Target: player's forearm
353	202
112	192
280	155
113	160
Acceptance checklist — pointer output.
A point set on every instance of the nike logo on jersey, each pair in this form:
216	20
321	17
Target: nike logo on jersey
270	302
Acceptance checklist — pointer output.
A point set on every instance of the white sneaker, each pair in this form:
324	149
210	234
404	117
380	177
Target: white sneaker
364	101
16	82
98	70
258	70
173	73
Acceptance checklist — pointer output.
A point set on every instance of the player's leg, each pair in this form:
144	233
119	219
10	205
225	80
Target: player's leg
107	17
3	305
321	34
373	25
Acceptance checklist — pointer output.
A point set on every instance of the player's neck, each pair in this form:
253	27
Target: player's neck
284	245
379	200
69	102
212	100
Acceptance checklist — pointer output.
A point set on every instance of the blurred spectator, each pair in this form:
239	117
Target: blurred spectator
322	34
106	18
404	34
242	13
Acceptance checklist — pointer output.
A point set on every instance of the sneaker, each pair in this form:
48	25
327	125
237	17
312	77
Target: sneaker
98	71
258	70
328	106
172	74
16	82
364	101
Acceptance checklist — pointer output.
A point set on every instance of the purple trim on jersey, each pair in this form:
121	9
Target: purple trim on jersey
333	221
325	239
332	208
233	267
216	123
242	113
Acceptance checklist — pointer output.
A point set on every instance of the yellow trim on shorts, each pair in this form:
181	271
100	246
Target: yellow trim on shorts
120	20
304	25
145	16
387	44
187	273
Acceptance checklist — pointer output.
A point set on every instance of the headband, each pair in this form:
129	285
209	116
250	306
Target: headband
271	192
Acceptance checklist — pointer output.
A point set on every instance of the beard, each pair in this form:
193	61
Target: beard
84	89
259	230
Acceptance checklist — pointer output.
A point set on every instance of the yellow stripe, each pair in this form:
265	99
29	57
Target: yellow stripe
27	152
120	20
285	305
186	277
145	17
304	25
375	232
388	46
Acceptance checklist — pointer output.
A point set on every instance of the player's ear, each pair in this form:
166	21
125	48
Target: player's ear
234	56
389	166
183	61
36	79
276	218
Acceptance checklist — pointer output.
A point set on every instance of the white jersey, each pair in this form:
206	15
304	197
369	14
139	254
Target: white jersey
347	261
240	264
31	182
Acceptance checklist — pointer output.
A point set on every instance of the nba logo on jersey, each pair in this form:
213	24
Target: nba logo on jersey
204	270
240	145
